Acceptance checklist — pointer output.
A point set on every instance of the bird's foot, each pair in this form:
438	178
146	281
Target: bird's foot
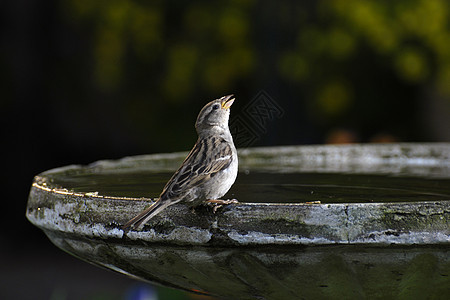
222	202
218	203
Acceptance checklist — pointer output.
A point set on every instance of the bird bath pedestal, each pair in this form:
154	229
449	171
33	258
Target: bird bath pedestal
381	230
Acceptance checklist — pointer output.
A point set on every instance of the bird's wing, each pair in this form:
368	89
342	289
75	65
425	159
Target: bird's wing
208	157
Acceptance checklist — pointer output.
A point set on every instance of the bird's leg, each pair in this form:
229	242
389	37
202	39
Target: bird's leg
218	203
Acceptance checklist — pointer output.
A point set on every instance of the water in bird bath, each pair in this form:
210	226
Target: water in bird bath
271	187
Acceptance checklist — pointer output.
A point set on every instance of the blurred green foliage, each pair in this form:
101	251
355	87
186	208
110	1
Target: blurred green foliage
186	45
408	37
176	50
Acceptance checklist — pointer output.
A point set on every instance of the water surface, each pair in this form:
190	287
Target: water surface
271	187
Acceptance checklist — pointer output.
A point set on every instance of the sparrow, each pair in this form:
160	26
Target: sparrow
208	171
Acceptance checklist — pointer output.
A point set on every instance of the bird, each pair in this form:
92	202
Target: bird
208	171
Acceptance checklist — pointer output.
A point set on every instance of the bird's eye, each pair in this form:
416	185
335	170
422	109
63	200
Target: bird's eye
216	106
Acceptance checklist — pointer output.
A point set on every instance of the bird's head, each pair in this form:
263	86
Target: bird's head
214	115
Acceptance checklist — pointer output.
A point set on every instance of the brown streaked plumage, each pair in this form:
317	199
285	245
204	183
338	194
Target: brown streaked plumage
208	171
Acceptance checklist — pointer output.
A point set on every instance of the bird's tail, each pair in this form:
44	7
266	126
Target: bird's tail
139	221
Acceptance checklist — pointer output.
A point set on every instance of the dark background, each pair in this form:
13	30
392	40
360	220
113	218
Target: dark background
88	80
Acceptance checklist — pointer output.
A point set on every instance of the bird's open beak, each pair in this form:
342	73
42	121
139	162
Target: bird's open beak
227	101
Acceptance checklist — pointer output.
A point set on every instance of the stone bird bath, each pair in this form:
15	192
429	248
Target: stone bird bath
381	230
